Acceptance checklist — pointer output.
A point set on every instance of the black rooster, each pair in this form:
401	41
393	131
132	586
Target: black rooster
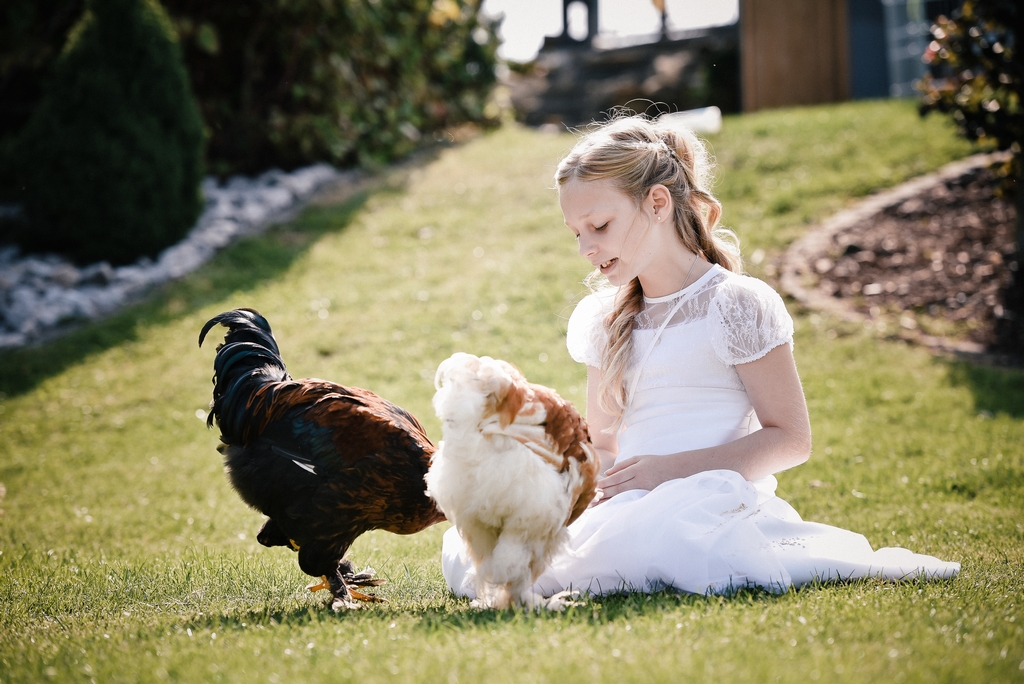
323	462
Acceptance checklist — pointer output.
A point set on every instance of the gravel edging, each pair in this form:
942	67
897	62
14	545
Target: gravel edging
43	296
797	276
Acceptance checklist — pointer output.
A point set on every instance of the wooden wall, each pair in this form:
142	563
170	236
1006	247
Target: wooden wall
793	52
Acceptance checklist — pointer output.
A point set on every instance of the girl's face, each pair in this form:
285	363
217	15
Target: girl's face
613	233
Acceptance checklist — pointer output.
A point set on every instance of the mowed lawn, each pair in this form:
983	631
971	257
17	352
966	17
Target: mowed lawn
126	557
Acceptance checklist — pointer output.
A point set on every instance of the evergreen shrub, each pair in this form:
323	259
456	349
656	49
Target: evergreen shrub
32	33
109	165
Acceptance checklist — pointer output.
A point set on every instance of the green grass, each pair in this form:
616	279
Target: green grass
126	556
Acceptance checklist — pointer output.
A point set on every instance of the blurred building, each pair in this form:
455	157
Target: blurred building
797	52
580	74
781	53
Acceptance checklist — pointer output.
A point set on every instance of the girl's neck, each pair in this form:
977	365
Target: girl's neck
682	273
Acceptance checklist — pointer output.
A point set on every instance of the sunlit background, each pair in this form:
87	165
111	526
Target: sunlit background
527	22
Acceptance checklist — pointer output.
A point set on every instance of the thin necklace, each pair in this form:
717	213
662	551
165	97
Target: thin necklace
685	280
688	272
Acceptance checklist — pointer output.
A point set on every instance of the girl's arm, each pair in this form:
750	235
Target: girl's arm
598	420
784	441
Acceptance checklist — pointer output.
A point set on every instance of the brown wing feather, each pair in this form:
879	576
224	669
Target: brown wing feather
382	448
567	437
587	489
510	399
563	424
567	428
271	401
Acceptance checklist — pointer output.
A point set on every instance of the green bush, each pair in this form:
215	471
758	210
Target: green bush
975	61
110	164
289	83
32	33
976	74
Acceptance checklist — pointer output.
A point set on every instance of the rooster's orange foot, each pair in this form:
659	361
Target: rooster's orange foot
322	584
351	601
369	598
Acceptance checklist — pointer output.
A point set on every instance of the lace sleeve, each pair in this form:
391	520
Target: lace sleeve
749	320
586	336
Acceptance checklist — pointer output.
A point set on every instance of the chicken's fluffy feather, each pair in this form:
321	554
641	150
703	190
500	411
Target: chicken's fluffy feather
514	469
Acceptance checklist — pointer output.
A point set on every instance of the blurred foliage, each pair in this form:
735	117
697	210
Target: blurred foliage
32	33
976	72
109	164
289	83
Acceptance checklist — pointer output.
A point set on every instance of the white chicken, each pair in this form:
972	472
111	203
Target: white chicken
514	469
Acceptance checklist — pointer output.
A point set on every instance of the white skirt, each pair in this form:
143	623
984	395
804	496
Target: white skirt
709	533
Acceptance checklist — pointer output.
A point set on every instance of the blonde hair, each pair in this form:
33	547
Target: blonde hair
637	153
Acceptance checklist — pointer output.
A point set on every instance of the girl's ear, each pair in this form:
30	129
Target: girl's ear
659	200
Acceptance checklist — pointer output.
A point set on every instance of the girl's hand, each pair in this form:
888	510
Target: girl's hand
638	472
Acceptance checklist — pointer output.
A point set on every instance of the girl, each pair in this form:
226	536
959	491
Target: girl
694	401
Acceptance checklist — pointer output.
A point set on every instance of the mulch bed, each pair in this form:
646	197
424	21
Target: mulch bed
934	265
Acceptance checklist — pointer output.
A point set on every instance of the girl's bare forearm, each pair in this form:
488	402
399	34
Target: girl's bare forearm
768	451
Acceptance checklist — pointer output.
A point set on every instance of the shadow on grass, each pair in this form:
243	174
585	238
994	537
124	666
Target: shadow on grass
458	615
595	610
995	390
241	266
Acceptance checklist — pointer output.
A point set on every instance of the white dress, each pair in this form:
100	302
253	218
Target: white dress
715	531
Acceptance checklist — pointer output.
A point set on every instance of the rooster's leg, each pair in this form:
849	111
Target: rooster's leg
344	596
360	582
343	599
336	576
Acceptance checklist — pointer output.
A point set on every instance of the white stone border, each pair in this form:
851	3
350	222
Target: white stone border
40	294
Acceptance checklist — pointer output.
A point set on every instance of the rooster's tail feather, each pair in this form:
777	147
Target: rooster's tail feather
248	359
246	325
